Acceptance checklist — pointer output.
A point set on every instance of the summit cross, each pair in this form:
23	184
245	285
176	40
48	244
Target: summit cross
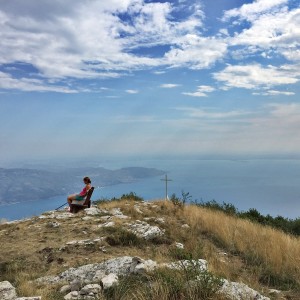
166	181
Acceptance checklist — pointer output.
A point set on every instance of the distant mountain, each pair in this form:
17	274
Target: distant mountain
31	184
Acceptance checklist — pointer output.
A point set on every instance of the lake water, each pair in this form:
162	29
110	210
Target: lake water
270	186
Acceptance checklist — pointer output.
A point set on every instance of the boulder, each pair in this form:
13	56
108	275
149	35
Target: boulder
140	266
75	285
90	289
109	280
7	291
72	295
145	230
237	291
179	245
92	211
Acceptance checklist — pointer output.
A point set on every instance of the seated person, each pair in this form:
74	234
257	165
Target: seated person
83	193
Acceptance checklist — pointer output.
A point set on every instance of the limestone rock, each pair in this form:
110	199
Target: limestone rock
116	211
57	215
137	209
30	298
53	225
145	230
109	280
237	291
92	211
179	245
140	266
90	289
119	266
200	264
71	295
7	291
98	276
75	285
107	224
65	289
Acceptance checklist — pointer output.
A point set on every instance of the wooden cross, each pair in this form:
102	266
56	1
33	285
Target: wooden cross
166	181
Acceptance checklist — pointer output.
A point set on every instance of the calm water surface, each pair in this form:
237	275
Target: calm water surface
271	186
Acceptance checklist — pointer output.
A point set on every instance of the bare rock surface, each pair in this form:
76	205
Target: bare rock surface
145	230
237	291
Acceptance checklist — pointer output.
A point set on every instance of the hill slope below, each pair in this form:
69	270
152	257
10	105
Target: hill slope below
151	250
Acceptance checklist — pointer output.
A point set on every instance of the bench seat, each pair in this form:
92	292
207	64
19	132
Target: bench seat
76	205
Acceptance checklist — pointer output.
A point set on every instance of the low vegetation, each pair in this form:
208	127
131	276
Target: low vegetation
236	249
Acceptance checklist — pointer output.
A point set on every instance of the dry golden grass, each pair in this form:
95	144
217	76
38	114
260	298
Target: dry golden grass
258	244
32	249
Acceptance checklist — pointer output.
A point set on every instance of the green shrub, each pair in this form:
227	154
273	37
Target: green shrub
167	284
180	254
160	240
122	237
131	196
180	202
278	280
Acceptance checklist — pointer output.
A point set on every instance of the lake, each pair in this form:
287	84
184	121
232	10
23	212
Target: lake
270	186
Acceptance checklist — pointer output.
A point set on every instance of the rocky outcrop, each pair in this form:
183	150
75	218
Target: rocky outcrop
89	281
237	291
92	272
85	282
144	230
8	292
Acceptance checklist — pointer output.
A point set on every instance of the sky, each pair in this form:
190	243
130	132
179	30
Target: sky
91	78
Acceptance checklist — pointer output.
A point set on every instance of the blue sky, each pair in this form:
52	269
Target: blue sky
83	78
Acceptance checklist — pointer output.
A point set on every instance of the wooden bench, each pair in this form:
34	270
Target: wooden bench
76	206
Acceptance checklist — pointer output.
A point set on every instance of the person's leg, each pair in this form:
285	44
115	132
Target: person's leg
71	198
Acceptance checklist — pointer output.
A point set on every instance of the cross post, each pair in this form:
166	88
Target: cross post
166	181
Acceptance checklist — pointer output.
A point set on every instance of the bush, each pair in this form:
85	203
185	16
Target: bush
180	202
131	196
167	284
122	237
180	254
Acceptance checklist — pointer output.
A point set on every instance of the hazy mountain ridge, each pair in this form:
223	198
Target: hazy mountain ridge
20	184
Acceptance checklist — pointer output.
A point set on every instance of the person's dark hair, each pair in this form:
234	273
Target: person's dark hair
87	180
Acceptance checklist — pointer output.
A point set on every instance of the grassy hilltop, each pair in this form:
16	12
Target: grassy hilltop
236	249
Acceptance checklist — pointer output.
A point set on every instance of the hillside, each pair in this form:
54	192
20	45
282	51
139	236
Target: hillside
22	184
131	249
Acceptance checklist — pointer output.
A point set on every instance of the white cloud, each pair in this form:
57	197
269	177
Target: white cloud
251	10
274	28
91	39
25	84
275	93
169	85
279	29
132	91
196	52
211	113
292	54
202	91
256	76
83	38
